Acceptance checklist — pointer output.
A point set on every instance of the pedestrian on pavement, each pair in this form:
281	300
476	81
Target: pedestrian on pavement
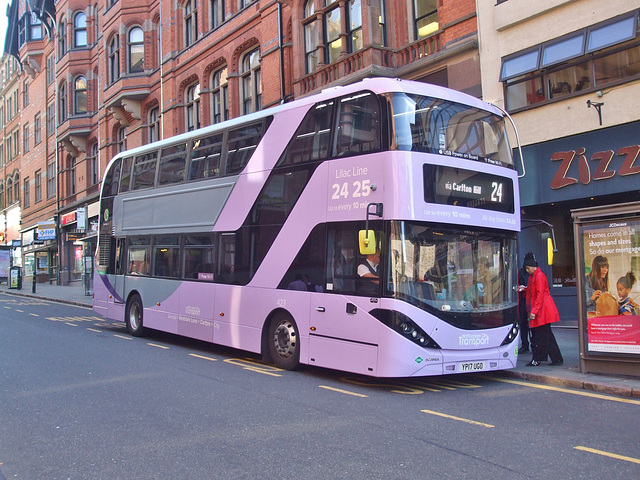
523	316
542	313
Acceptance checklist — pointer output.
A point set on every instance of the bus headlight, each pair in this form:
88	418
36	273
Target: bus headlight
405	326
512	335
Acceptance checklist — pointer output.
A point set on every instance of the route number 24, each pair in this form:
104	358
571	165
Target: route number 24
361	189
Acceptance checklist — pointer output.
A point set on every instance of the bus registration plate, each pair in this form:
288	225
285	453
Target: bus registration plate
471	366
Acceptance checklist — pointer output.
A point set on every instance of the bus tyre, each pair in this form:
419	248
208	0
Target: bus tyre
133	316
284	345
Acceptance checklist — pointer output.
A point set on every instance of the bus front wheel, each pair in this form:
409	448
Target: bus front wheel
284	345
133	316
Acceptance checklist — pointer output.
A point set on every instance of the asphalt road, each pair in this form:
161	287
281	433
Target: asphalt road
81	399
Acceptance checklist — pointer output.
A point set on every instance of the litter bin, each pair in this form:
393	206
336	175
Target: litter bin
15	278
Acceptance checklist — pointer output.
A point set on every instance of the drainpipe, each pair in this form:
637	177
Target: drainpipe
281	48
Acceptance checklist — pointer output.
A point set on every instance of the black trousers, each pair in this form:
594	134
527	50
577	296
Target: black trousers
544	344
523	321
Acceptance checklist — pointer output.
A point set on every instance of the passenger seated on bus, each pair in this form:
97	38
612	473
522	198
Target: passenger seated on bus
369	278
297	284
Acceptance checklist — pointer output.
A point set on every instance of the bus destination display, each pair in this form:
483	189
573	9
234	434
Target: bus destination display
466	188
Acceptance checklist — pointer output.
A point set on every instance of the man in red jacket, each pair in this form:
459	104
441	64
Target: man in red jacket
542	313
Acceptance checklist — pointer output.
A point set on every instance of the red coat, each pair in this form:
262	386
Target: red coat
539	301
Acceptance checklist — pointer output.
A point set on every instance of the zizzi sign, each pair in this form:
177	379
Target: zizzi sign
600	163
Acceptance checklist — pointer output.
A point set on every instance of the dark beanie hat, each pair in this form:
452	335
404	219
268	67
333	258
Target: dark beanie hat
530	260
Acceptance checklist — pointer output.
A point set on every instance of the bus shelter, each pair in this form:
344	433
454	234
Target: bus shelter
607	246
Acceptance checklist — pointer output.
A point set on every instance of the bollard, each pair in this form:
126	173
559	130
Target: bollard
33	286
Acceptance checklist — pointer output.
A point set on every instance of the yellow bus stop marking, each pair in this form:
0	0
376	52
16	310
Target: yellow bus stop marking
346	392
473	422
608	454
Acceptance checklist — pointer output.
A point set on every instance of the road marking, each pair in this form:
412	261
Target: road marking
18	310
123	337
609	454
203	357
248	364
71	324
566	390
158	346
346	392
94	330
34	314
473	422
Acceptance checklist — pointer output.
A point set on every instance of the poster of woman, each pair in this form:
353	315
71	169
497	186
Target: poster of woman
611	287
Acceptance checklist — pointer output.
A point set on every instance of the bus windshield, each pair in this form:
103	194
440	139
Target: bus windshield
432	125
468	277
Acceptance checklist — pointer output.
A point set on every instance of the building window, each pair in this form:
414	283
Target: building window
16	188
310	37
25	138
190	23
217	13
51	119
62	38
382	22
25	192
154	125
136	50
332	29
71	169
192	105
38	186
122	140
220	96
62	102
80	30
16	142
51	70
114	59
251	82
355	26
80	95
426	17
37	129
51	179
9	144
1	154
94	165
590	59
25	93
2	205
9	191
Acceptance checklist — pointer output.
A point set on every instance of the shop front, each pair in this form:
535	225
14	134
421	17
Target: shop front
78	243
573	186
40	253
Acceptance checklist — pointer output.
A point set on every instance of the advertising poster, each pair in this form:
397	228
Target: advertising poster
5	263
612	286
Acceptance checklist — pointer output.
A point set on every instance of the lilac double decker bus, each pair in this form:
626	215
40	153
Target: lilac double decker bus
370	228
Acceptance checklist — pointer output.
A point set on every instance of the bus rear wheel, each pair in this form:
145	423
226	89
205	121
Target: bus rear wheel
284	345
133	316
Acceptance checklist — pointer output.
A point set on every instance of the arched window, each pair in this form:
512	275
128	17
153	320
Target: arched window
251	82
122	140
62	38
310	37
62	103
220	95
154	125
192	105
80	95
80	30
16	187
2	205
9	191
190	23
114	59
135	47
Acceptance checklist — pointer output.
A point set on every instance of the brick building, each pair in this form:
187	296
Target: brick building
113	75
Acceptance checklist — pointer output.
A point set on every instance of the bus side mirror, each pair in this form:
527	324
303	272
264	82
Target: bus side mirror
367	241
549	251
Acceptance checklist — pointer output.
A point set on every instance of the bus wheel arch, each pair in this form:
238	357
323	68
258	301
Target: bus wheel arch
133	316
281	340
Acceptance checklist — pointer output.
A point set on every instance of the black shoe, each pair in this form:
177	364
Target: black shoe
532	363
559	362
524	350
